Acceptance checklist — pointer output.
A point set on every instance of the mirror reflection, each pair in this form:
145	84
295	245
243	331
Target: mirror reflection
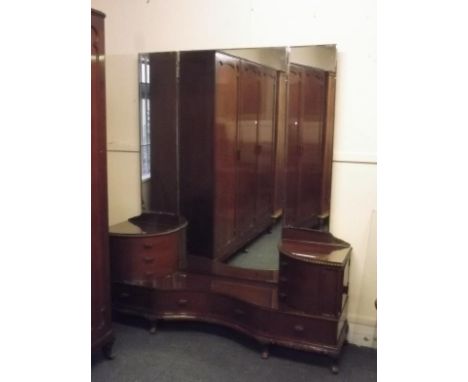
239	142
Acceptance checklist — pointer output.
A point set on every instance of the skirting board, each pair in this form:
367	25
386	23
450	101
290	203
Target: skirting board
362	335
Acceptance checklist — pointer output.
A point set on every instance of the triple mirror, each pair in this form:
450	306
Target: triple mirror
240	143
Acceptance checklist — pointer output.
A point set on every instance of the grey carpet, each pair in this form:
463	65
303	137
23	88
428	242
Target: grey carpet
261	253
197	352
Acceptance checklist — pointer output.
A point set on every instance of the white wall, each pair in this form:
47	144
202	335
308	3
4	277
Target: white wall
134	26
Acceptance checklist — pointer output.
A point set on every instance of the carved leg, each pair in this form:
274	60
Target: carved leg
107	350
153	327
265	351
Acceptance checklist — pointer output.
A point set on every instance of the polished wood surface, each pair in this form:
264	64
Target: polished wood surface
227	121
302	306
313	272
307	138
196	118
225	138
101	330
164	189
147	246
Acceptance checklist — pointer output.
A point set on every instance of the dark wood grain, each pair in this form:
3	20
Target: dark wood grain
101	330
164	190
303	306
309	148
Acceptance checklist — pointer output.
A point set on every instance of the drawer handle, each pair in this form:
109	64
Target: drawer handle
284	263
148	259
298	328
182	302
283	279
124	294
282	295
239	312
147	246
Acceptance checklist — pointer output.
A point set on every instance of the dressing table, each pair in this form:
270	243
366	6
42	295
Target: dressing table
227	133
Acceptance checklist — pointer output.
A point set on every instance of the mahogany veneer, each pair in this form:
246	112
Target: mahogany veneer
247	300
101	330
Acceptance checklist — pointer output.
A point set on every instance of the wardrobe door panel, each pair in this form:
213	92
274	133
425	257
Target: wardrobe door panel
265	157
247	141
225	132
293	145
100	278
311	130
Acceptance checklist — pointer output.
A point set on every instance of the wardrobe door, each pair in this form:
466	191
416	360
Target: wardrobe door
265	139
247	146
311	152
225	131
100	281
292	141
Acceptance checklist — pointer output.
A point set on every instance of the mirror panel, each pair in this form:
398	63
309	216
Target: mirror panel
270	112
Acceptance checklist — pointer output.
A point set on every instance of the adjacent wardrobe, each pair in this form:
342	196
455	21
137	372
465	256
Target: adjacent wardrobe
309	146
101	330
227	132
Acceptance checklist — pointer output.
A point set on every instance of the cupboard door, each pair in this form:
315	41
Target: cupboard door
246	146
311	152
225	149
292	151
265	169
100	291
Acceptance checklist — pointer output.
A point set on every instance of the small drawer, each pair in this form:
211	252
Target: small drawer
182	302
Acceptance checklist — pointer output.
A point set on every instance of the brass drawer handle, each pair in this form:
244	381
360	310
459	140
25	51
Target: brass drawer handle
147	246
298	328
182	302
148	259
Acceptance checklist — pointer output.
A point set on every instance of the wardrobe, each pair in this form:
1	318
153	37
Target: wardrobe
309	146
226	135
101	330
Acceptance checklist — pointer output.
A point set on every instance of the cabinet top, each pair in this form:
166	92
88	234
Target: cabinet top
97	13
149	224
312	246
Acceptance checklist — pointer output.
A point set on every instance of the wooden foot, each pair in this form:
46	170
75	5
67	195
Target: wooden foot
107	350
265	352
153	327
335	368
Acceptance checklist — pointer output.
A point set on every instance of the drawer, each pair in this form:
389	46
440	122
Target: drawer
182	302
233	311
143	258
129	296
302	329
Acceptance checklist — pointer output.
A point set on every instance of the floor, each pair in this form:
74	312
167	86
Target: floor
197	352
261	253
